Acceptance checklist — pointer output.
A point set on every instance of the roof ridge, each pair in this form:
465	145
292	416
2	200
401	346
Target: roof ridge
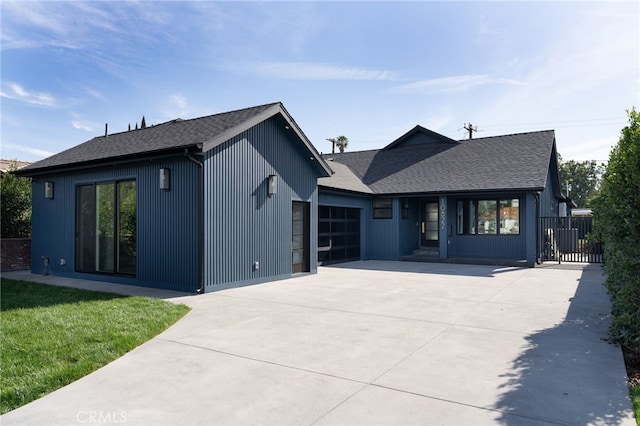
184	120
508	134
351	152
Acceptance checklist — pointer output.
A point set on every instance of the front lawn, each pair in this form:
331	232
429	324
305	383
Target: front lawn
51	336
635	398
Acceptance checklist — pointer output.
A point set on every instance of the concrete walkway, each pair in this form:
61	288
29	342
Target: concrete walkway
368	343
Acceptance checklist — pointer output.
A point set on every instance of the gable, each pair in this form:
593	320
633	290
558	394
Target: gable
510	162
419	136
172	137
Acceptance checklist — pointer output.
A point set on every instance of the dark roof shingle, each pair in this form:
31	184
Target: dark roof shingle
172	135
518	161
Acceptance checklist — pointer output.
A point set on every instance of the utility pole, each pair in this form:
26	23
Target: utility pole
333	145
470	128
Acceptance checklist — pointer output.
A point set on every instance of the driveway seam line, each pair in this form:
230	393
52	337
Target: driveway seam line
365	384
378	315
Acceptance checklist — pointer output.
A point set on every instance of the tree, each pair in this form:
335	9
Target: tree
143	124
340	141
15	205
617	220
580	180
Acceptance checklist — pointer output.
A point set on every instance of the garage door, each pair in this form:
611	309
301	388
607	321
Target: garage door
338	234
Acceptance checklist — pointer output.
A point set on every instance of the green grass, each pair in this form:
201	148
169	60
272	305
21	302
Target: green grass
51	336
635	399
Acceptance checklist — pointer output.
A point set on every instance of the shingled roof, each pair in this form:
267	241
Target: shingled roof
175	135
510	162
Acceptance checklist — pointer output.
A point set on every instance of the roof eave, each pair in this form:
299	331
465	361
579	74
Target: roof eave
130	158
458	192
343	190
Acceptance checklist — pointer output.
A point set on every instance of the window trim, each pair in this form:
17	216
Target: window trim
117	270
382	212
471	204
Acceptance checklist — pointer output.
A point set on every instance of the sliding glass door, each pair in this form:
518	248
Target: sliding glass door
106	227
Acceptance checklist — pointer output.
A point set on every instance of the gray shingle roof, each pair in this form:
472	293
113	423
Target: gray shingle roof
343	178
518	161
172	135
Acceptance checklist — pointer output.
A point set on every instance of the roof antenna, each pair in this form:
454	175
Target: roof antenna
470	128
106	127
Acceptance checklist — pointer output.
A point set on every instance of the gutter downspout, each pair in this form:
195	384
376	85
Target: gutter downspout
200	289
536	196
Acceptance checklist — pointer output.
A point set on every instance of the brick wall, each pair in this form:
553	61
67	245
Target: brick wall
15	254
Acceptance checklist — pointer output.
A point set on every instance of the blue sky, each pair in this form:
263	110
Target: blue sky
367	70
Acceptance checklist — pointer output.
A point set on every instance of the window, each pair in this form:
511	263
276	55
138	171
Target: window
106	227
404	203
382	208
488	217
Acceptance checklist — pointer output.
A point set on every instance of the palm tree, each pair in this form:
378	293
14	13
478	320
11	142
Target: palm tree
341	141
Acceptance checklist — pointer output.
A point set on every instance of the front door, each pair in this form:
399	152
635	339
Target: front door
300	240
429	223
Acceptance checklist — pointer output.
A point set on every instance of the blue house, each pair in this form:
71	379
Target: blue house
193	205
428	197
243	197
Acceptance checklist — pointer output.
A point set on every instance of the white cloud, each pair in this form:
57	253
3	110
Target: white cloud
317	71
587	71
83	125
456	83
17	92
177	106
41	153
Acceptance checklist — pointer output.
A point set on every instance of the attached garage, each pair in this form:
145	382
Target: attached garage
338	234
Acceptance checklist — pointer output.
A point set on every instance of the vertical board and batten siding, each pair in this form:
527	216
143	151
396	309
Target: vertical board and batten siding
243	225
548	201
419	138
385	235
512	247
166	228
361	202
409	228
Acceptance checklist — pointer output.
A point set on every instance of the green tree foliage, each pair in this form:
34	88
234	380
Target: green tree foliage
617	215
15	206
584	180
341	142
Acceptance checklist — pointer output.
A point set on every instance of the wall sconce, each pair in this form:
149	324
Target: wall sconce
48	190
165	178
273	184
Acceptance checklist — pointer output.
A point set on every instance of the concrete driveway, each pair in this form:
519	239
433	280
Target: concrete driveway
369	343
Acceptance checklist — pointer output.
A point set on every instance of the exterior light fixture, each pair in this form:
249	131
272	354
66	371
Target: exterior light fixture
165	182
273	185
48	190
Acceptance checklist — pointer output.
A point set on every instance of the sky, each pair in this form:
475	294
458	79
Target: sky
368	70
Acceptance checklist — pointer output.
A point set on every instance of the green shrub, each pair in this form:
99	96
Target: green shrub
15	206
617	216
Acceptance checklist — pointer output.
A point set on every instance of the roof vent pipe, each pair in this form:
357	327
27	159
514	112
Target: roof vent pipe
106	127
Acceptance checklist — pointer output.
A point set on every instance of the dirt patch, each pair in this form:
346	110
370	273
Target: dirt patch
632	362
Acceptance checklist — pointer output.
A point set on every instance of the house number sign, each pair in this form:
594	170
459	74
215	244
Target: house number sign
443	215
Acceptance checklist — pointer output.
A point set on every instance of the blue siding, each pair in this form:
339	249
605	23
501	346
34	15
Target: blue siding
166	223
385	236
548	201
512	247
243	225
419	138
363	203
